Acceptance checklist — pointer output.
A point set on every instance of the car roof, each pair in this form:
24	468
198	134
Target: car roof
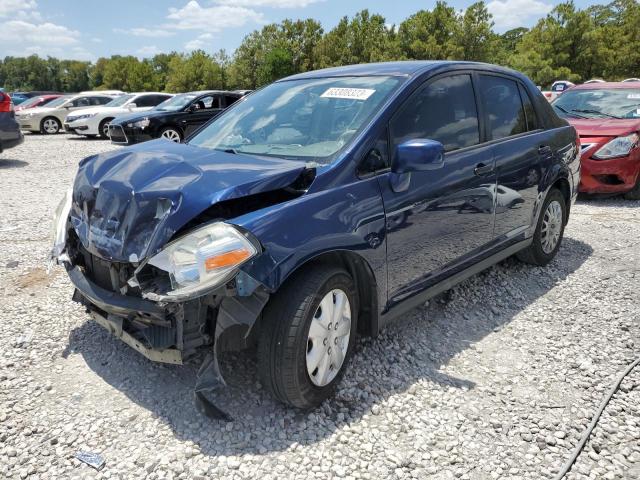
205	92
606	85
399	69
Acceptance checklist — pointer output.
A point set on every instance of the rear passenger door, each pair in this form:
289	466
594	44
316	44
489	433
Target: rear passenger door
438	219
520	149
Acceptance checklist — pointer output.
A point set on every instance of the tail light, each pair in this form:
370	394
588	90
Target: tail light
6	105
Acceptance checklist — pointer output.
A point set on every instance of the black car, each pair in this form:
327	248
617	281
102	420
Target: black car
10	134
175	119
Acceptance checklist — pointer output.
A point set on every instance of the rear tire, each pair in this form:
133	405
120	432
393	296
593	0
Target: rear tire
635	193
549	231
103	128
50	126
295	358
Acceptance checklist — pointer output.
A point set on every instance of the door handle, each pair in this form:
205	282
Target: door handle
482	169
544	149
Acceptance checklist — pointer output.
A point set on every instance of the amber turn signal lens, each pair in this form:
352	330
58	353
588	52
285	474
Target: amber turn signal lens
226	259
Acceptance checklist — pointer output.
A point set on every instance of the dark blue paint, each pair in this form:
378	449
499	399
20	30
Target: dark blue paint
412	229
128	204
418	155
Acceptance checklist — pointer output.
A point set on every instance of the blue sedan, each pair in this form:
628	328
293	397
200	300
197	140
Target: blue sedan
319	208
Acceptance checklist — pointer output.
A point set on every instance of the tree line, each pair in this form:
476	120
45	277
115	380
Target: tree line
568	43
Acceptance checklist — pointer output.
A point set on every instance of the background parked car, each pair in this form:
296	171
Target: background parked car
631	80
19	97
175	119
607	118
10	134
594	80
50	118
39	101
557	88
95	121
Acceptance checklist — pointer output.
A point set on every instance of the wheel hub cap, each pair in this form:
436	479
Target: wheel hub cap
551	227
328	339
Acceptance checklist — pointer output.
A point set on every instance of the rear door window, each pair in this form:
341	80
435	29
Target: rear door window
502	106
443	110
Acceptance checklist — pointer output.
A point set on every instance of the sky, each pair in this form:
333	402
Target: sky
88	29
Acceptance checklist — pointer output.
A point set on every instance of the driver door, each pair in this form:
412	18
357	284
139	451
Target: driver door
200	111
437	219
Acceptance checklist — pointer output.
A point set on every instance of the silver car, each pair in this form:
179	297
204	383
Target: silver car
50	118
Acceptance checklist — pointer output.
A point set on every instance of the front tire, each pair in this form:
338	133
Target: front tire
307	336
50	126
549	231
103	128
172	134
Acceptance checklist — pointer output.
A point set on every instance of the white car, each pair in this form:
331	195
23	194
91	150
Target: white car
50	118
95	121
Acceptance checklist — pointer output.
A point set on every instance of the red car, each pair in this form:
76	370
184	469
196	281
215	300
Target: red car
607	118
38	101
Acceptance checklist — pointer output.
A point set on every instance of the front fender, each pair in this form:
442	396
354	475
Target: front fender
348	217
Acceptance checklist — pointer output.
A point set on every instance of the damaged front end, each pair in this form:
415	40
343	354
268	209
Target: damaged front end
171	288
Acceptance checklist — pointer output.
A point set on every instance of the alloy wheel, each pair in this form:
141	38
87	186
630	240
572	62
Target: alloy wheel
172	135
50	126
551	227
328	339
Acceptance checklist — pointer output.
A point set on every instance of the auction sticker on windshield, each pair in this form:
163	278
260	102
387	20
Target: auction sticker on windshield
349	93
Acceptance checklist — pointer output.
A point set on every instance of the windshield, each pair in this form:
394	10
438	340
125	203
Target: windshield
309	120
601	103
119	101
176	103
58	101
30	102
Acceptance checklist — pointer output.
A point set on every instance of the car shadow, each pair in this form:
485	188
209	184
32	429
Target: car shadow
7	163
83	138
417	350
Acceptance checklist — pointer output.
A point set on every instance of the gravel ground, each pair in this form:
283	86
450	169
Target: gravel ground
496	378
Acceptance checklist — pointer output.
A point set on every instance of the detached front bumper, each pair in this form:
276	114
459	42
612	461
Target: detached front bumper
116	313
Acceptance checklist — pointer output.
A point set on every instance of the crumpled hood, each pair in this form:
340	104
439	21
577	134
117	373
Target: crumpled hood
128	204
607	127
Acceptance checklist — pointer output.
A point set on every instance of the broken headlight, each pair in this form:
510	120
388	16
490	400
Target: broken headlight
203	259
59	230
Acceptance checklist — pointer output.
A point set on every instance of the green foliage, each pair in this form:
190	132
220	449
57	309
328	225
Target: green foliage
600	41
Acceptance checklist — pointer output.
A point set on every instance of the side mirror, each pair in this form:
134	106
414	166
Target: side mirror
418	155
193	108
67	106
132	105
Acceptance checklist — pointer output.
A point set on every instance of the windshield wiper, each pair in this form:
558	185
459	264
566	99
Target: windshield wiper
596	112
568	112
